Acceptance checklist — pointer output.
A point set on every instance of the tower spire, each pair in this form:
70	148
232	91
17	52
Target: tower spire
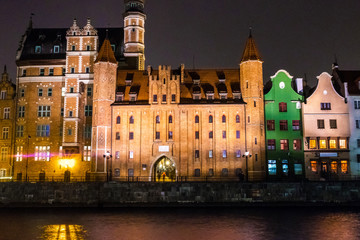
251	51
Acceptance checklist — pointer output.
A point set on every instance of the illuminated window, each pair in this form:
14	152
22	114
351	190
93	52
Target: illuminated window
5	133
312	144
196	119
271	144
20	131
118	120
170	135
322	144
297	144
37	49
4	154
237	134
237	119
157	119
325	106
43	130
170	119
296	125
44	111
283	125
333	167
285	167
284	144
87	153
197	153
21	112
223	118
224	153
196	134
332	143
19	153
6	113
344	166
210	153
272	167
320	124
131	154
270	124
313	165
210	119
56	49
297	169
342	144
42	153
282	107
333	124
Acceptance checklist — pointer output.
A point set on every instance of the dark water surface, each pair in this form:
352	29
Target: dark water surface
180	223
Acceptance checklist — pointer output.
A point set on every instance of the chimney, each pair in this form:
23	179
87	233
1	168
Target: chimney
299	85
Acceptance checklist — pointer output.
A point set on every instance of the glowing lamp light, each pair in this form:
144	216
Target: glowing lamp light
67	163
167	163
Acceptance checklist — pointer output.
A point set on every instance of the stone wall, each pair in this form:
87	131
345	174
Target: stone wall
119	194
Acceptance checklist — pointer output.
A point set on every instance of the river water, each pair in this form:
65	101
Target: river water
180	223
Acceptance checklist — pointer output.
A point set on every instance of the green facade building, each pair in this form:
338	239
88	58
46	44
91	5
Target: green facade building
284	140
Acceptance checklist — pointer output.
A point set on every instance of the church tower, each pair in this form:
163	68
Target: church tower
251	83
134	33
105	69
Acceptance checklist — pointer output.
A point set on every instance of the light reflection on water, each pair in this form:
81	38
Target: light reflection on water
180	224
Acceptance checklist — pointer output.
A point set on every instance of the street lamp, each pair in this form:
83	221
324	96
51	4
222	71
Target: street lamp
246	155
108	156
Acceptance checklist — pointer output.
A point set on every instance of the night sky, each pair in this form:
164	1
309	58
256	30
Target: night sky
300	36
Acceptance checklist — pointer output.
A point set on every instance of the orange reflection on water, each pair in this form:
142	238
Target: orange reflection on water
63	232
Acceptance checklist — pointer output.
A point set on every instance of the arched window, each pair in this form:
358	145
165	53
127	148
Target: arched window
170	119
196	119
210	119
223	119
237	118
131	120
282	107
118	120
157	119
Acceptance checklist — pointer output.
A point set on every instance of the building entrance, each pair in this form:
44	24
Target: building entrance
164	170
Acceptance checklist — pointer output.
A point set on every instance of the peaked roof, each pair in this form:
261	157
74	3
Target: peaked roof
106	54
251	52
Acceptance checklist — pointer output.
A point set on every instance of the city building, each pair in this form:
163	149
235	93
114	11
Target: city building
7	119
283	116
326	132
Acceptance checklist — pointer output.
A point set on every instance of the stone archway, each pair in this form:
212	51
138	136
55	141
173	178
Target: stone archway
164	170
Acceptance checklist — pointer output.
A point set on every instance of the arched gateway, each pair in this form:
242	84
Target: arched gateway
164	169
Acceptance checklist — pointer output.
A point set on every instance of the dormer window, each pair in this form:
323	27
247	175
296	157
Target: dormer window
223	96
221	80
210	96
236	95
42	71
51	72
221	76
37	49
196	81
133	97
129	79
119	97
56	49
196	96
113	47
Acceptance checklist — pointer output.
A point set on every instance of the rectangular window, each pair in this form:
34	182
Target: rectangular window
56	49
20	131
272	167
270	125
313	165
237	134
333	124
5	133
296	125
357	104
224	134
4	154
131	154
117	154
63	71
40	92
19	153
22	92
312	144
131	135
51	72
224	153
358	158
73	48
358	143
155	98
196	134
71	89
173	97
6	113
87	70
21	112
357	123
72	70
271	144
197	172
117	135
157	135
197	153
87	131
42	153
164	98
3	94
284	144
332	144
42	71
282	107
170	135
238	153
210	153
333	167
344	166
255	141
37	49
298	169
87	154
44	111
88	110
297	144
24	72
283	125
325	106
320	124
342	144
211	134
322	144
43	130
49	92
69	131
89	91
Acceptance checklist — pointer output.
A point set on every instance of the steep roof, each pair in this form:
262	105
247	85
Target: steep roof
106	54
251	51
352	78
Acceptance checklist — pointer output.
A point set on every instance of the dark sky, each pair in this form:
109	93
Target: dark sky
300	36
